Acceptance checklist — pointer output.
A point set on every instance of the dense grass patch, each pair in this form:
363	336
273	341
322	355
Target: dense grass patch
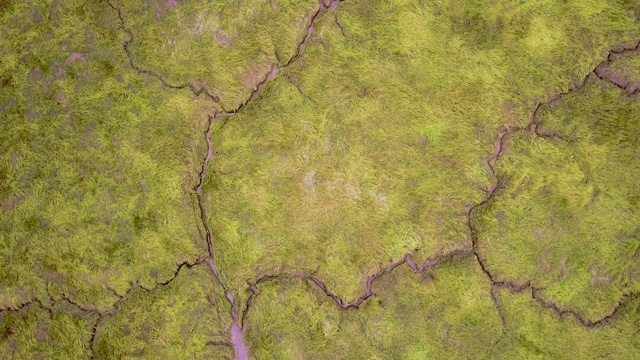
226	46
96	161
372	144
369	146
568	216
187	319
448	313
535	333
36	333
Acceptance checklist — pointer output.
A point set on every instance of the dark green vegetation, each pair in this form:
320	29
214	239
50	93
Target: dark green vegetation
96	162
373	142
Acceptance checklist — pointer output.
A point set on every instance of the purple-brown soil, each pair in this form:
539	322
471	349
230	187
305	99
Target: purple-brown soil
623	82
75	57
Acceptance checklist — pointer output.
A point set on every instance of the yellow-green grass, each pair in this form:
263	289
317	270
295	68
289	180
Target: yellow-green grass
535	333
97	162
186	319
567	214
372	144
628	68
227	47
61	332
445	314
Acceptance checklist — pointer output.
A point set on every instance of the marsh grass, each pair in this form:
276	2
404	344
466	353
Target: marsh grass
97	161
176	321
369	146
34	333
568	218
228	47
446	314
372	145
534	333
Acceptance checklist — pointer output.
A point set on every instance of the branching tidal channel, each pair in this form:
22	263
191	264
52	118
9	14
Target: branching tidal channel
240	315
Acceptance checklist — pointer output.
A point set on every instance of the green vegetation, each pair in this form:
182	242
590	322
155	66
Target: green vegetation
226	47
63	332
339	166
445	314
367	146
534	333
568	215
95	172
186	319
